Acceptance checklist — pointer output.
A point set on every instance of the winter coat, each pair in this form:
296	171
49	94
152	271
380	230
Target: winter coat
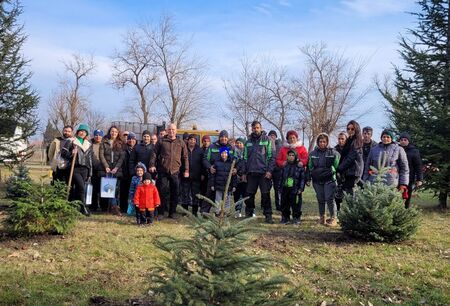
126	162
414	163
141	153
146	197
302	153
195	158
84	154
212	154
219	179
366	149
169	156
259	154
135	181
322	165
111	157
351	161
391	156
239	156
297	173
97	164
55	149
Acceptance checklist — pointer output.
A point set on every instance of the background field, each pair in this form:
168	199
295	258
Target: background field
110	257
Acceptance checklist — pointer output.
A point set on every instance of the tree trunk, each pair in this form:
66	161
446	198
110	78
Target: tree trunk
443	200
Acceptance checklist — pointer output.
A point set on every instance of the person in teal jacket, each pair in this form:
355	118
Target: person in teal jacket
322	165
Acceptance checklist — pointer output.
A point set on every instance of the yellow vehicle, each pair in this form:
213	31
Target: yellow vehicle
213	134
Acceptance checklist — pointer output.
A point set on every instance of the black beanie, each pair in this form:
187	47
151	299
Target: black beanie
147	176
405	135
223	133
272	132
146	132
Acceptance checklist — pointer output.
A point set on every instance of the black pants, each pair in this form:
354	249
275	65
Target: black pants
79	178
347	187
210	194
125	183
255	180
61	175
96	200
410	191
241	189
291	201
189	190
168	186
276	177
144	217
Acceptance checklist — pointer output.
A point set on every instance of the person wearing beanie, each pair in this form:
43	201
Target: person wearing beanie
83	167
272	133
136	180
388	154
241	186
97	166
141	153
259	163
276	173
146	199
219	179
293	143
130	145
190	186
322	166
414	164
211	155
206	142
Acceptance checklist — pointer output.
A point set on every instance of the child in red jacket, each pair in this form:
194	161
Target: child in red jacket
146	200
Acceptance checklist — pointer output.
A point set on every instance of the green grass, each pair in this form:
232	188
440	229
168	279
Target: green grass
110	256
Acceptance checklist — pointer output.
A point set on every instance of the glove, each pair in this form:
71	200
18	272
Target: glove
404	190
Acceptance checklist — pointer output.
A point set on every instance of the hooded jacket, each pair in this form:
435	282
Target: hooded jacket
323	164
84	153
135	181
302	153
259	154
146	197
296	173
391	156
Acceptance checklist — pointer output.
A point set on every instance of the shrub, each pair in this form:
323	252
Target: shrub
44	210
214	267
377	212
19	183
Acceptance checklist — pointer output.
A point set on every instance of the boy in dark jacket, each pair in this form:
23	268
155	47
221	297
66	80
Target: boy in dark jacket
414	163
292	184
220	177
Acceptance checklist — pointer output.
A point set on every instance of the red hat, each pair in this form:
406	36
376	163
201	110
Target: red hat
206	137
290	133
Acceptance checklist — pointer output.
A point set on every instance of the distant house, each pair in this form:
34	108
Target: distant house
11	142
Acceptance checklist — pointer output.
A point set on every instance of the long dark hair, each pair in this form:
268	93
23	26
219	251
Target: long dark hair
357	138
118	143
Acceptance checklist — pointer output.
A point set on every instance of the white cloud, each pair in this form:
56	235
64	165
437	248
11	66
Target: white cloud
368	8
284	3
264	9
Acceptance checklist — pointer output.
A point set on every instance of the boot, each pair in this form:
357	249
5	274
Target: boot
115	210
332	222
321	220
84	210
269	219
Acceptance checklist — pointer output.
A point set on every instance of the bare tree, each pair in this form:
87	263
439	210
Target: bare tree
183	76
242	92
68	105
96	119
327	90
136	67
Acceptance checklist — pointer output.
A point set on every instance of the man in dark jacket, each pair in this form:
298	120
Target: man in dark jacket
414	163
126	180
169	156
276	174
190	186
141	153
259	163
211	155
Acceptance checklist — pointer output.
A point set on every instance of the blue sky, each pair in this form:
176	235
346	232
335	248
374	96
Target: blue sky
222	31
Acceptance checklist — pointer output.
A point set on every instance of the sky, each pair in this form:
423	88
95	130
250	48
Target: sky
221	32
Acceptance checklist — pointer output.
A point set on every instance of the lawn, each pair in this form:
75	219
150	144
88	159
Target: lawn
108	258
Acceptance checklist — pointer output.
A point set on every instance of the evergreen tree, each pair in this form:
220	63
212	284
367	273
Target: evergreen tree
18	183
421	103
18	101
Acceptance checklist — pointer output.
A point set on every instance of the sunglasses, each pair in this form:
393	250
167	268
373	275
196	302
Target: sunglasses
350	129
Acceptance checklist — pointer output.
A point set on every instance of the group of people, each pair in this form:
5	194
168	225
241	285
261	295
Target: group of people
162	171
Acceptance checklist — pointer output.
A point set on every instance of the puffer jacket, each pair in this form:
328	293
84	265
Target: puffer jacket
212	154
302	153
146	197
111	157
219	179
297	173
391	156
84	153
259	154
351	162
322	165
414	163
141	153
169	156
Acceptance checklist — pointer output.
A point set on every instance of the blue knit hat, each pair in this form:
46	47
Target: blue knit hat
224	149
99	133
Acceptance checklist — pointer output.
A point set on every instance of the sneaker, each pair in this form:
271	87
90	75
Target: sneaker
172	216
332	222
253	215
321	220
284	220
269	219
296	221
237	215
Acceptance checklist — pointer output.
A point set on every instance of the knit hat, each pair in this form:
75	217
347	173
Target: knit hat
290	133
405	135
272	132
223	133
140	165
390	133
224	149
131	135
206	137
192	136
185	135
146	132
292	151
147	176
240	139
84	127
99	133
